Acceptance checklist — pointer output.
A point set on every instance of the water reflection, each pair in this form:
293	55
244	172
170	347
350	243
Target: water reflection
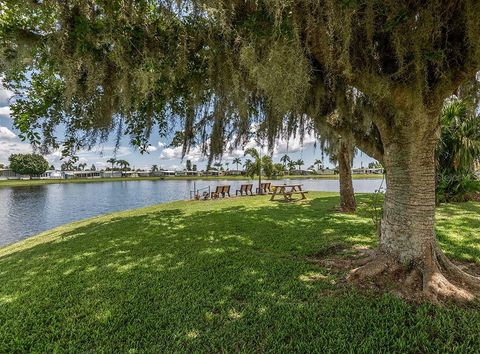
26	211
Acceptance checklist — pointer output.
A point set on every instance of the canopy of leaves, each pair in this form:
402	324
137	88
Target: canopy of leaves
212	68
28	164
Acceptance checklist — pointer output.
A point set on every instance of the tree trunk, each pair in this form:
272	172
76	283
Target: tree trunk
408	247
347	195
408	223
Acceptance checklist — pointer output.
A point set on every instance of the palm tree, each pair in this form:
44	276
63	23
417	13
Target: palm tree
318	163
258	165
154	168
278	169
227	164
255	166
300	163
457	152
237	161
123	164
112	161
82	166
291	165
218	165
285	159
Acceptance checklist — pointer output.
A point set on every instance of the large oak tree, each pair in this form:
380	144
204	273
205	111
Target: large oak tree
377	71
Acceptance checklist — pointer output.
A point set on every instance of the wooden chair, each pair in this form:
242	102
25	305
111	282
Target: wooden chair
268	187
226	191
245	188
265	188
217	192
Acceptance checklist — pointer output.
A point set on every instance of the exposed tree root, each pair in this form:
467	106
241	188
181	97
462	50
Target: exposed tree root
436	279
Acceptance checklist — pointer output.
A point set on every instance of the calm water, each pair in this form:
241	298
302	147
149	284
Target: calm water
26	211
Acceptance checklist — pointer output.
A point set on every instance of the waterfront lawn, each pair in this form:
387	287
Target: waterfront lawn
221	276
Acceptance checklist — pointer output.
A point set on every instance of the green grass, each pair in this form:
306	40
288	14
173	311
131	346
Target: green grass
19	183
220	276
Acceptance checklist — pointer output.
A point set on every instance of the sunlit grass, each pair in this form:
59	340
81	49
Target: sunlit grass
226	275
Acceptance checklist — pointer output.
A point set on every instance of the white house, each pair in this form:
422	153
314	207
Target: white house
6	173
213	173
186	173
164	173
364	170
82	174
52	174
234	172
111	174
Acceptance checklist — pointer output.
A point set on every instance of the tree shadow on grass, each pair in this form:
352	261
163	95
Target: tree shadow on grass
229	279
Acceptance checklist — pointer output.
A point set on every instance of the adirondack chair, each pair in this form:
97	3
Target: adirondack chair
245	188
216	194
265	188
220	191
226	191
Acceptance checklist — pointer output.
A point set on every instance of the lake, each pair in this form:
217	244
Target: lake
26	211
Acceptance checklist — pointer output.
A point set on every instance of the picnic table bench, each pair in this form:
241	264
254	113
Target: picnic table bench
288	191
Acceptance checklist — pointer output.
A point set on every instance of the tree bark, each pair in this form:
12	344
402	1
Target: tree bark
408	223
408	247
347	195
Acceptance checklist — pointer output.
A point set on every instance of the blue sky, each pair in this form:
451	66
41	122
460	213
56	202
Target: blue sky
160	154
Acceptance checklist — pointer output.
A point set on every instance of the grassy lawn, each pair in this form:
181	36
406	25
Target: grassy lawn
19	183
220	276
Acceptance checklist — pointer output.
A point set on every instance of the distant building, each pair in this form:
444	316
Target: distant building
52	174
213	173
301	172
186	173
111	174
364	171
164	173
234	173
7	173
82	174
145	173
129	174
326	171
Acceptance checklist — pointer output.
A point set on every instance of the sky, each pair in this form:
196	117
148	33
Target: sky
160	153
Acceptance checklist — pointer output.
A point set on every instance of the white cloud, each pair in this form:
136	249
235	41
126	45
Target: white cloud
151	148
5	95
195	154
294	145
6	133
8	147
4	112
106	151
161	145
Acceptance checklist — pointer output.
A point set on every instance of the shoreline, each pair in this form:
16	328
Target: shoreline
39	182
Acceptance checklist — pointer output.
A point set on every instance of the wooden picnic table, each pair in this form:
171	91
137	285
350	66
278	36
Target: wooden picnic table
288	190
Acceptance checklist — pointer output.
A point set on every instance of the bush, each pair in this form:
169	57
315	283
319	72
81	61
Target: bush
28	164
457	187
457	151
